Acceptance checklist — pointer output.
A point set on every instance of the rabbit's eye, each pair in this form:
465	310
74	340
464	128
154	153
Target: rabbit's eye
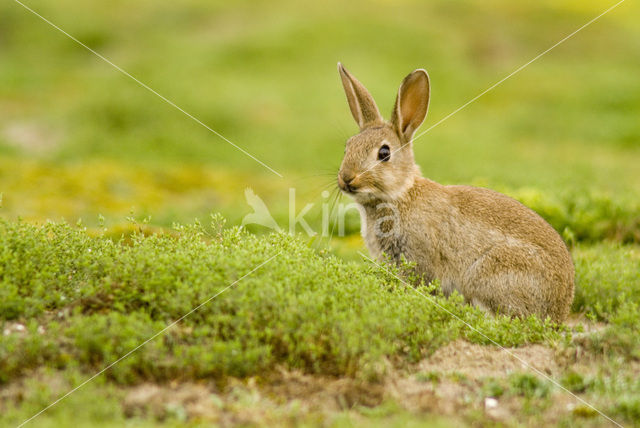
384	154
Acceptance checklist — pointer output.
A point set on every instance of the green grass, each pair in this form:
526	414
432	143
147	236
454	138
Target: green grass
87	300
98	299
615	270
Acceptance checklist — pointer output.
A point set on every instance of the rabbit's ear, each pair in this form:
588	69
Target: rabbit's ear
412	103
363	107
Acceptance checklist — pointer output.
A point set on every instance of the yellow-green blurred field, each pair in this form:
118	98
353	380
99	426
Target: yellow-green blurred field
86	139
81	141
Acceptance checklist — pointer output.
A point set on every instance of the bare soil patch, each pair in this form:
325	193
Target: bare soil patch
460	367
479	361
447	384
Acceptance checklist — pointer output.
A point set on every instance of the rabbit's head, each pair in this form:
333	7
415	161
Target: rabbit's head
378	162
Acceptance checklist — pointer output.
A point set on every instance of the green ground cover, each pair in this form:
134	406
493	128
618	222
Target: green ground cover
85	301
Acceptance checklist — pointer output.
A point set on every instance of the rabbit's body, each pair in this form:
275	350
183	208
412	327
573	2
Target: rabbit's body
500	255
497	253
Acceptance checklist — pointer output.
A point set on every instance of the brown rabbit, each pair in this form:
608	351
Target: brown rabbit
500	255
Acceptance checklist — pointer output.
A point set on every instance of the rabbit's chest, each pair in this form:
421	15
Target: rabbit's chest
398	237
393	246
384	234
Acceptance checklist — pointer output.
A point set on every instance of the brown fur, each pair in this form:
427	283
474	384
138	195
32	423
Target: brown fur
500	255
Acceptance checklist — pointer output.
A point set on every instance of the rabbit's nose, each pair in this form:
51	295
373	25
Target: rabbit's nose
348	178
346	181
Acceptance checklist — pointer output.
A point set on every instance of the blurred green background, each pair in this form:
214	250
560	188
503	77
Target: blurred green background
78	139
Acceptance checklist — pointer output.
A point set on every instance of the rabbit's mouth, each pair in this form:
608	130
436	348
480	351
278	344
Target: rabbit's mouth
348	188
348	183
353	185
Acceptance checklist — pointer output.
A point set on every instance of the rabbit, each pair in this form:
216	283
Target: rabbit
498	254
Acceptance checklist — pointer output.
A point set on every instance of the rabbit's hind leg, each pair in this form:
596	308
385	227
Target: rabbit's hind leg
506	280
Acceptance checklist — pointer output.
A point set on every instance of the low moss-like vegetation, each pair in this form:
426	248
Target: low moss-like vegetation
74	302
87	300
